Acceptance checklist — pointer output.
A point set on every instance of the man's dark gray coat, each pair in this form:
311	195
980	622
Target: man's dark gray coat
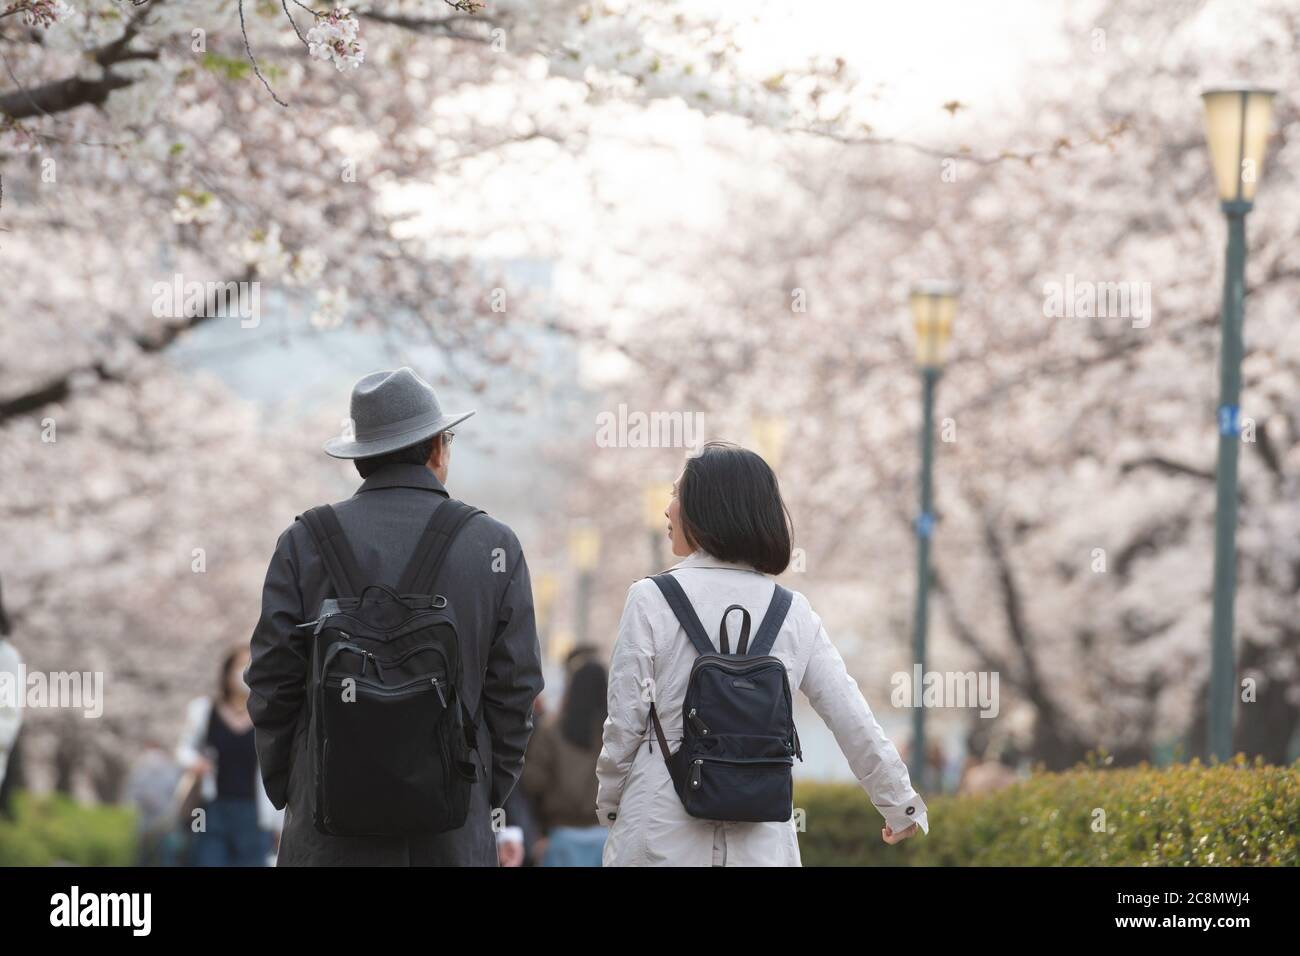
486	580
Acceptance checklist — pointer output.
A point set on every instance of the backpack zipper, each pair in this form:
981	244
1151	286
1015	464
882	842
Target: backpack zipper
437	685
699	724
419	615
344	644
396	691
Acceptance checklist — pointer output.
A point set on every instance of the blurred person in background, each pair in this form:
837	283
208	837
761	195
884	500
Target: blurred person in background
239	821
560	771
936	761
989	766
150	791
11	715
577	657
982	776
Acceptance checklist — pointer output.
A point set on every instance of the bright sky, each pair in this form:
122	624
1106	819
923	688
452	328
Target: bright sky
919	54
655	169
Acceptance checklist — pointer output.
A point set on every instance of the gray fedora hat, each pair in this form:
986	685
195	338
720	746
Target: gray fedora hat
391	410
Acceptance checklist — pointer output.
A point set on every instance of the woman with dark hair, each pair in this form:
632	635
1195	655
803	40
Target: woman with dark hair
238	820
727	520
560	772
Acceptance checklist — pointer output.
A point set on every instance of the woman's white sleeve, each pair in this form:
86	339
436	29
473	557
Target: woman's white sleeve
189	749
631	684
874	759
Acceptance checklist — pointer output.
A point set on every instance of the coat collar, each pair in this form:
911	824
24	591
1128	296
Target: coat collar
702	559
403	476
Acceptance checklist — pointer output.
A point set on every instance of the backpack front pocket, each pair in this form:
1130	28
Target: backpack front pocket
374	780
737	697
745	791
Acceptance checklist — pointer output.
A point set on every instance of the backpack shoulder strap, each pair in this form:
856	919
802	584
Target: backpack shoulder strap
340	563
445	523
686	616
772	621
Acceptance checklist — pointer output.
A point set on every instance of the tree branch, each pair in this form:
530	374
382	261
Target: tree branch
443	26
1028	157
59	388
964	633
1056	741
1168	466
60	96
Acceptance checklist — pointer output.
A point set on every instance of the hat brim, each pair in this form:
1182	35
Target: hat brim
345	448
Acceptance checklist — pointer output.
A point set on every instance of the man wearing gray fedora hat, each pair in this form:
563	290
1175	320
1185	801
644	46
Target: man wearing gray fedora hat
400	441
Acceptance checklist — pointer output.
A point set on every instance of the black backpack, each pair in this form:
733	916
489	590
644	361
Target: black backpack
391	743
739	741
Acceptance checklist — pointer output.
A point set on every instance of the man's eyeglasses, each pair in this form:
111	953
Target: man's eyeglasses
447	436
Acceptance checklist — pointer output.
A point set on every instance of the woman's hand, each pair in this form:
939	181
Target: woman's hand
891	837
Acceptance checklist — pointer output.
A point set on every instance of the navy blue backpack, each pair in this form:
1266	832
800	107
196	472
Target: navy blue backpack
739	741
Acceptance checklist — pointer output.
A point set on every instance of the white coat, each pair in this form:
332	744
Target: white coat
647	824
190	749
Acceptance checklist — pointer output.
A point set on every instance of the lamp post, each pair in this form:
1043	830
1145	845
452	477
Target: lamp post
544	590
933	307
584	552
1236	125
654	500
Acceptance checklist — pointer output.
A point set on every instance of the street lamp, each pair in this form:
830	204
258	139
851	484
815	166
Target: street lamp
654	499
584	552
545	587
934	304
1237	123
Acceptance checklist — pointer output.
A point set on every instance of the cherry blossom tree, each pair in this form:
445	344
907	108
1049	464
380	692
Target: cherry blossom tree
168	164
1075	457
366	166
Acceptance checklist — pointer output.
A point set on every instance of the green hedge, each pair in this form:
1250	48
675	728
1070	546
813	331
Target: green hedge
55	829
1186	815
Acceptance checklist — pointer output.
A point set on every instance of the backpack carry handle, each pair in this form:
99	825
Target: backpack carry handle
385	588
690	621
438	603
744	631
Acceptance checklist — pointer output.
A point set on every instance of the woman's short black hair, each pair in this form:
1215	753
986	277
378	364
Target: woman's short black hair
731	508
417	454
